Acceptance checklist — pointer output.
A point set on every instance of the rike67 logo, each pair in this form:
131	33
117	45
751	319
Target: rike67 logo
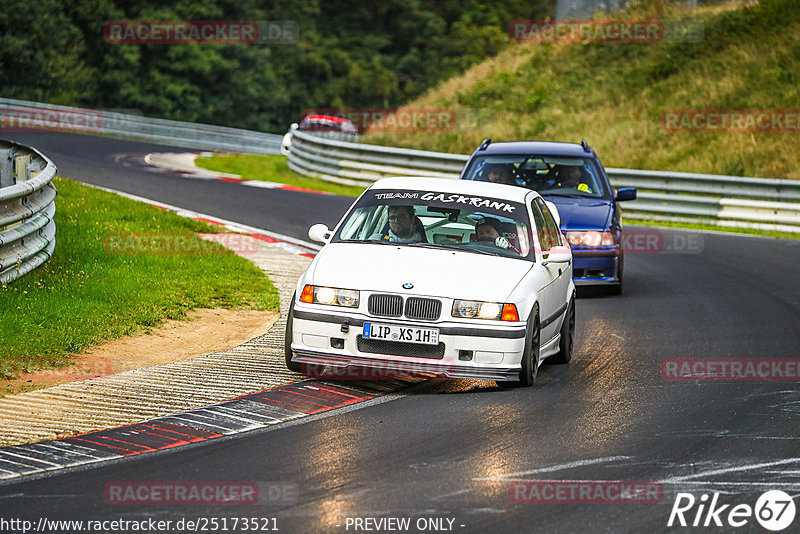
774	510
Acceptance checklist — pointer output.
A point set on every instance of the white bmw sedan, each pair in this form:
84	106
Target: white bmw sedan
437	277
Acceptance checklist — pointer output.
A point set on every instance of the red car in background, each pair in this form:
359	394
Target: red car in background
325	125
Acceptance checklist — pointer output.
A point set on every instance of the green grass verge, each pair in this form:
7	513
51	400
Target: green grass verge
711	227
614	94
86	295
272	169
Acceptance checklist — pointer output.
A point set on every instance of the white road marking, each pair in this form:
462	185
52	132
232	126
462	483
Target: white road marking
553	468
750	467
782	485
261	184
452	494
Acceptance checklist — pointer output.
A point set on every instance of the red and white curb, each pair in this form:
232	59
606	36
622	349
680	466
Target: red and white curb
243	414
182	163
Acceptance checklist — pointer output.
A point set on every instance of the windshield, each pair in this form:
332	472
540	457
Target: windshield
549	175
481	225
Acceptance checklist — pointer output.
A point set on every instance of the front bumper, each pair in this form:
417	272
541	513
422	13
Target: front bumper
600	268
334	340
359	367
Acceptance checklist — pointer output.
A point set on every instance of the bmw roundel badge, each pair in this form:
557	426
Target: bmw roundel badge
408	285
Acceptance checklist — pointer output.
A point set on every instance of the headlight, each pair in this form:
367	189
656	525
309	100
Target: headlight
591	238
329	296
473	309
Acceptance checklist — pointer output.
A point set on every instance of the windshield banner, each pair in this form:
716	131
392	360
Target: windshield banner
438	199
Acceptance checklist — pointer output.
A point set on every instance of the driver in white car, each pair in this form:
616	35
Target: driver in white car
487	229
403	226
490	230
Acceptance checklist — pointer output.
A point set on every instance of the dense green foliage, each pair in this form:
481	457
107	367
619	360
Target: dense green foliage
350	54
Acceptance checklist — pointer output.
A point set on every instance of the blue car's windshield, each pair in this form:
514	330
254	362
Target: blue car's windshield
549	175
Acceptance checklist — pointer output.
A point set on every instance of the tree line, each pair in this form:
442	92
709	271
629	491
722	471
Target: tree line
346	54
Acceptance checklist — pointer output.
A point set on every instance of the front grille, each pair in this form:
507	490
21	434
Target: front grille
385	305
394	348
417	308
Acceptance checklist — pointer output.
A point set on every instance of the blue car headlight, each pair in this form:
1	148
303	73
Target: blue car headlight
590	238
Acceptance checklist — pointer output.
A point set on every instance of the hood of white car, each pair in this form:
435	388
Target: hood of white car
440	273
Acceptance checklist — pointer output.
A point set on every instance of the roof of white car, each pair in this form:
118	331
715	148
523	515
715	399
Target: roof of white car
447	185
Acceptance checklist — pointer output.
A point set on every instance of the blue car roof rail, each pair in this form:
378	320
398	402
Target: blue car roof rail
484	144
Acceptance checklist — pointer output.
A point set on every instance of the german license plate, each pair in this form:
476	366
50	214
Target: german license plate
404	334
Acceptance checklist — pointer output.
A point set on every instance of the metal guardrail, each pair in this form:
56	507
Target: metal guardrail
27	208
731	201
20	115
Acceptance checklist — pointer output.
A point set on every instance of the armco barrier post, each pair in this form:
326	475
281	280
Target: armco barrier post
21	163
6	168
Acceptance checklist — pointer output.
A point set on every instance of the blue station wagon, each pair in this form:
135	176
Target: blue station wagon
570	176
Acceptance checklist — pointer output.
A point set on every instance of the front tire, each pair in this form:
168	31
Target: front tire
287	340
565	346
616	289
530	356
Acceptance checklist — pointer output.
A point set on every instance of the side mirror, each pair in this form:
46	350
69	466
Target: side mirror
293	126
560	254
626	193
554	212
319	232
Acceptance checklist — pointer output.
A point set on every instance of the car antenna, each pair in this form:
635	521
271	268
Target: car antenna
585	145
486	142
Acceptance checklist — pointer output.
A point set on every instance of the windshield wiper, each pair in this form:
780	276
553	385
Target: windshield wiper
454	247
434	245
376	241
567	195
